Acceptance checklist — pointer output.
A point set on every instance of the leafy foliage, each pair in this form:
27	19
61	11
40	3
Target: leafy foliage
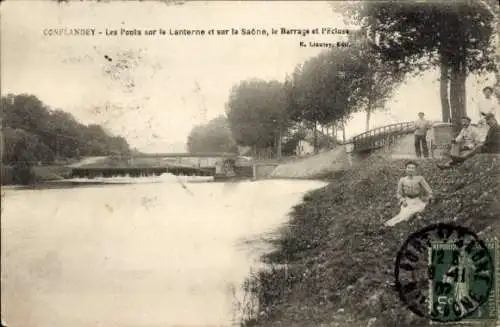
256	110
416	36
336	83
215	136
405	31
321	90
33	132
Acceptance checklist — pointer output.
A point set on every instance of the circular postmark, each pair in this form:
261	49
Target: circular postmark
444	272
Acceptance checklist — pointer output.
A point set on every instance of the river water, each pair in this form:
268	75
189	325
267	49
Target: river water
157	252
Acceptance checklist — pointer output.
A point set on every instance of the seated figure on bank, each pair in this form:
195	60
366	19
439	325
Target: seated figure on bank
465	143
491	144
466	140
413	193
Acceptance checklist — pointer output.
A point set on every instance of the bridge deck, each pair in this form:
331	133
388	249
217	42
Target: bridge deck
381	136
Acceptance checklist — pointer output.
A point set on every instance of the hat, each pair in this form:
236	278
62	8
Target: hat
489	116
467	118
488	88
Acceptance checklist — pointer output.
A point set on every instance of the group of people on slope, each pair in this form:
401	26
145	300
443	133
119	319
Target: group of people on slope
471	141
485	137
413	191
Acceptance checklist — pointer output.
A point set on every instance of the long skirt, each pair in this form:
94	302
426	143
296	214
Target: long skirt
413	206
482	129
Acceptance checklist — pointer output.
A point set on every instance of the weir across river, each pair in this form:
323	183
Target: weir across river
393	138
191	164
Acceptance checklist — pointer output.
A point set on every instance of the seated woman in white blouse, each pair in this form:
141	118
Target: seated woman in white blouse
413	194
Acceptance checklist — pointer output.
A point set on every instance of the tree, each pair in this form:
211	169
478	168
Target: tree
321	89
456	36
34	132
215	136
379	79
257	115
326	89
494	7
23	111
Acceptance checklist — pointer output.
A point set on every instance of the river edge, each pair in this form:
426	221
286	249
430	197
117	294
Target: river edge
272	240
324	272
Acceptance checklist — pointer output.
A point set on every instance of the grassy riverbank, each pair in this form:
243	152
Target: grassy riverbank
339	260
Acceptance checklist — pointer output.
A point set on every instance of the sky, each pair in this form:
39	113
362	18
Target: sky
152	89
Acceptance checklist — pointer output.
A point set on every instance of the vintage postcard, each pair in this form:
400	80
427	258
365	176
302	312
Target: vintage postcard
250	163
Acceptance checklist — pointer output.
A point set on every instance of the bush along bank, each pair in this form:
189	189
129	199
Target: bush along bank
19	174
336	258
23	174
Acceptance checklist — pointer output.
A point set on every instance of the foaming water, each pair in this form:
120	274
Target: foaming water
163	178
153	253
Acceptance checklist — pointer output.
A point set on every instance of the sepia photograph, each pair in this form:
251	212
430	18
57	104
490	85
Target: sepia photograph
191	163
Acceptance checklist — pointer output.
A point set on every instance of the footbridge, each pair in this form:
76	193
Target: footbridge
387	137
381	137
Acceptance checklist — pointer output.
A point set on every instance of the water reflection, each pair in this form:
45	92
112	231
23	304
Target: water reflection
143	254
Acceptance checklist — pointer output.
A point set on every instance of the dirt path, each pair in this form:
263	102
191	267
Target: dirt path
309	167
338	159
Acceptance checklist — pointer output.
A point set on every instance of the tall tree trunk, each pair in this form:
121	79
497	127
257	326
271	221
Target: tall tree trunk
343	132
368	114
2	145
315	137
278	141
462	79
457	94
444	88
369	106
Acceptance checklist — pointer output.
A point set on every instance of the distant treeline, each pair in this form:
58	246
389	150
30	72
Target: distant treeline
392	42
33	133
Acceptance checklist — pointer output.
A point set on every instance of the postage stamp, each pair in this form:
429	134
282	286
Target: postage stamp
458	281
448	274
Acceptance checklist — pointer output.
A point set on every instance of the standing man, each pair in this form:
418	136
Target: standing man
421	127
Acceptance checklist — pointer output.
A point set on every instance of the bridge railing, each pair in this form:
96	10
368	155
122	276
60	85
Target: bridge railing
381	136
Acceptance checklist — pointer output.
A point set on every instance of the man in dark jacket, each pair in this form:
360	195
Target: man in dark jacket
491	143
